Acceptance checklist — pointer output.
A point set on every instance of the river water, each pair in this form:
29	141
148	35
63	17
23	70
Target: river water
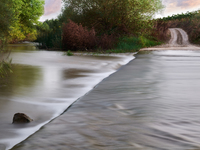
44	84
152	103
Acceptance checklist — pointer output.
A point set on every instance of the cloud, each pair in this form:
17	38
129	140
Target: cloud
180	6
184	4
52	6
190	3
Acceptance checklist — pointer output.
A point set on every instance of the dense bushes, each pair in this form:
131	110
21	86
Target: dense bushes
71	36
98	25
49	34
108	15
74	37
160	30
77	37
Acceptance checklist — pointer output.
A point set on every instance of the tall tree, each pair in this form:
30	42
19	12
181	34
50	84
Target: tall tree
26	14
6	14
109	14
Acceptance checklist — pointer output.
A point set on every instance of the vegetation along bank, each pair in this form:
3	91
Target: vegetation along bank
104	26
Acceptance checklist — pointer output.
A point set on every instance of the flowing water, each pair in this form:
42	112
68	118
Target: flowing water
152	103
44	84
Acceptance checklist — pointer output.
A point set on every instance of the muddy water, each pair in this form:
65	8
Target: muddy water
43	84
152	103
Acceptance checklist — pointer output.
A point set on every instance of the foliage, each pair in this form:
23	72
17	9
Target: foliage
128	44
132	44
50	34
69	53
77	37
18	19
147	42
97	24
5	68
106	41
181	16
26	14
5	17
111	16
188	21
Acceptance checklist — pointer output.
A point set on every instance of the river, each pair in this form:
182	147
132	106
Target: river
44	84
151	103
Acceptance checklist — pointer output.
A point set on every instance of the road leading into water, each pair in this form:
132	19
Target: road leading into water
179	41
152	103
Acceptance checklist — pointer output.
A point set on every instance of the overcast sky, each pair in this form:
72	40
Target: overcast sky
53	7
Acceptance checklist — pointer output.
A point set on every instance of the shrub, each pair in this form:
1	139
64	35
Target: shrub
160	30
128	44
106	41
69	53
77	37
49	34
144	42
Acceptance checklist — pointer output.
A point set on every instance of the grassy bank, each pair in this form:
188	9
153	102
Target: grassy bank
132	44
123	45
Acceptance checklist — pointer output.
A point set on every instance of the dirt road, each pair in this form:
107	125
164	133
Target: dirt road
179	41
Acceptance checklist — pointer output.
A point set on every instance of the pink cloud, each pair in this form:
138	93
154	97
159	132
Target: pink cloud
191	3
179	6
52	6
184	4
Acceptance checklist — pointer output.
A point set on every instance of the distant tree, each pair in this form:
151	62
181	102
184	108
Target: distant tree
5	21
25	16
6	14
128	15
17	22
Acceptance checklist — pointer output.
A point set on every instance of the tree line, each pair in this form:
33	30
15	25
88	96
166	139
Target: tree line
110	20
18	21
188	21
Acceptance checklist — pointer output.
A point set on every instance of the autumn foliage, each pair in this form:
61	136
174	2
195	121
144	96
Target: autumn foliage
106	41
160	30
77	37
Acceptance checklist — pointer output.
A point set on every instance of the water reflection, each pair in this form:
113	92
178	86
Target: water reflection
76	73
22	47
23	77
43	84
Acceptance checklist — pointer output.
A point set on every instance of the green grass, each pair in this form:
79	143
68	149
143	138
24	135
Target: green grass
148	42
68	53
132	44
128	44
